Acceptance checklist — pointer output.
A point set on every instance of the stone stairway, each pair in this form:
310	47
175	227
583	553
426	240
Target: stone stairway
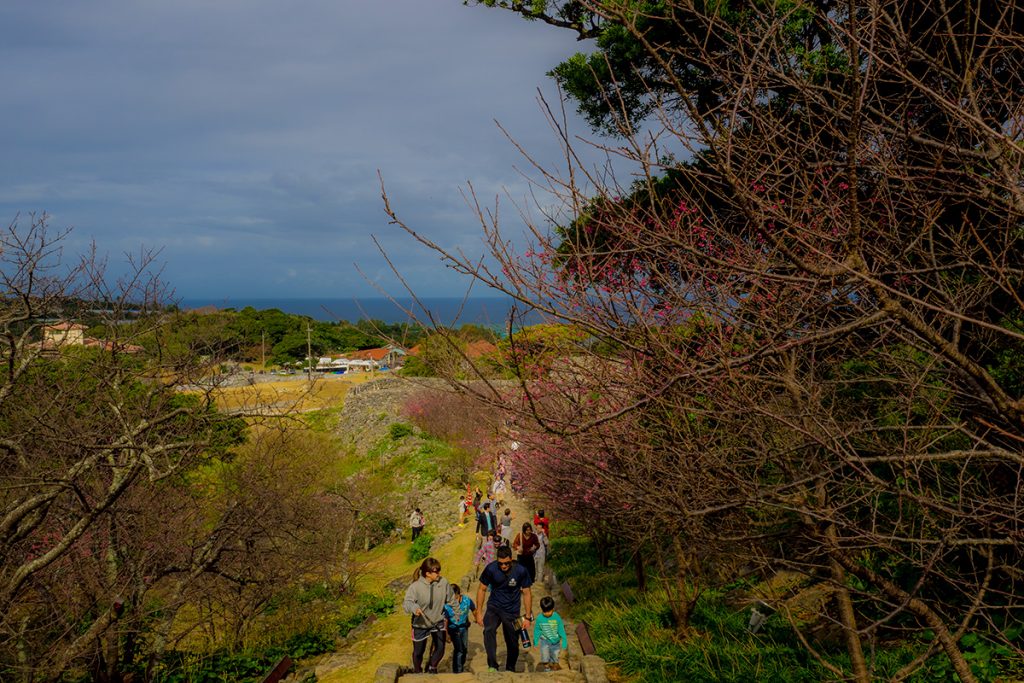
575	669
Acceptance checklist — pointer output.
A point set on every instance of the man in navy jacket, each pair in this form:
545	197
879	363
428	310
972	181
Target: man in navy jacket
510	589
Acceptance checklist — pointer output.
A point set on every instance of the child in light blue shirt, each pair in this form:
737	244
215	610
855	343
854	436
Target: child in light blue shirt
549	634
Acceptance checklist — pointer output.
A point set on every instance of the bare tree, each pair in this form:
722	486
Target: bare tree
122	497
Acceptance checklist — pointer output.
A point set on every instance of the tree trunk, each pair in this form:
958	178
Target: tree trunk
849	620
641	572
601	544
918	607
346	549
847	615
686	586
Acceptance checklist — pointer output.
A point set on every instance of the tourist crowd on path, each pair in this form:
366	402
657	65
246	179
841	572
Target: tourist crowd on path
504	596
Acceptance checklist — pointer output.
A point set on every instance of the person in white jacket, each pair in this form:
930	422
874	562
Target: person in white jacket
417	521
541	554
424	601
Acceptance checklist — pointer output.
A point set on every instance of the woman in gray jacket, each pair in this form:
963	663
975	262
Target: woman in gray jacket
425	600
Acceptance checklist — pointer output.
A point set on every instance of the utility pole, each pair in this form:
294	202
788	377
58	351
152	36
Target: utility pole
263	349
309	353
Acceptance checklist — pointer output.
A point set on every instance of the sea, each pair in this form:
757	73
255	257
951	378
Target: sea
490	312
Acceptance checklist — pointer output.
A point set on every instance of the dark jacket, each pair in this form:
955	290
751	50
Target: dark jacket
481	522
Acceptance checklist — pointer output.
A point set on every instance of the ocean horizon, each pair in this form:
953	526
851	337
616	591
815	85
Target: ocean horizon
490	311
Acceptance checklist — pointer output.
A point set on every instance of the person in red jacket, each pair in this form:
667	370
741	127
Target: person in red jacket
525	545
542	522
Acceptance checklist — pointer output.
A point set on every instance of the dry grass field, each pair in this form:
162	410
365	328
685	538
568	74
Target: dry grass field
292	394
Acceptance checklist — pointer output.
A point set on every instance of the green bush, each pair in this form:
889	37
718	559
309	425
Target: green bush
420	548
367	605
399	430
244	667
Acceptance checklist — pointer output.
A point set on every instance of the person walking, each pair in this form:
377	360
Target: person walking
525	545
487	552
465	504
506	526
540	521
424	601
417	521
486	524
510	596
457	613
549	635
540	556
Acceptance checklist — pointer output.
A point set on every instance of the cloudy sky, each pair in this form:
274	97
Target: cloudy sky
243	137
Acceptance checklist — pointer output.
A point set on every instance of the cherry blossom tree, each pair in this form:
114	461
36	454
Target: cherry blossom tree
803	339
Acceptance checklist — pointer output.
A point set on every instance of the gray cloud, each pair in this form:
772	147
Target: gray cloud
243	138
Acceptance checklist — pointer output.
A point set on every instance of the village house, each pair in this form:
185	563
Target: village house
66	334
365	360
59	334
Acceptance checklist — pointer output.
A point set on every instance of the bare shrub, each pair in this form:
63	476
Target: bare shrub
457	419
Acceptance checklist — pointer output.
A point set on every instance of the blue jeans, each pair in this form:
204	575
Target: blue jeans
549	652
460	645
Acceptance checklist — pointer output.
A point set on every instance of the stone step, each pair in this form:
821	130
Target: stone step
496	677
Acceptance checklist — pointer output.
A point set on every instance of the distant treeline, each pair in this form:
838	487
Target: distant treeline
251	335
271	335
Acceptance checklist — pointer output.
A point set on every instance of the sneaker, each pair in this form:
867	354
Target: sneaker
491	669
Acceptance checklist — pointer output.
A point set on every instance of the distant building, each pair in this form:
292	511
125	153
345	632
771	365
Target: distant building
480	348
63	333
365	360
66	334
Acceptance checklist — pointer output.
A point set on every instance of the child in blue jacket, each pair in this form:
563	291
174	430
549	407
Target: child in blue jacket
457	612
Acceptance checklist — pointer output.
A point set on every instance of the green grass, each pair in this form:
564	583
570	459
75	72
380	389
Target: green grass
634	631
324	420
